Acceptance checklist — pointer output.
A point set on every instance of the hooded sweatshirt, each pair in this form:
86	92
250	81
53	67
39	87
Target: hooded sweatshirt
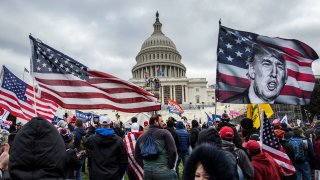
38	152
265	167
109	159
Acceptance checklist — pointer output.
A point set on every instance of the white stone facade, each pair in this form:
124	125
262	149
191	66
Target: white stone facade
159	59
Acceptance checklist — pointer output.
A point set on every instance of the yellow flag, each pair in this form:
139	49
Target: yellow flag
254	112
267	109
255	115
249	111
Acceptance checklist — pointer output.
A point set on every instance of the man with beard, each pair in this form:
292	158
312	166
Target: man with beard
268	75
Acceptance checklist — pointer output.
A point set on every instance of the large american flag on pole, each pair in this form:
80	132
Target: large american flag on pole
272	146
74	86
17	97
234	50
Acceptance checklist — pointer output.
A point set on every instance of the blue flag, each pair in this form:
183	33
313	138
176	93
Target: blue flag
84	116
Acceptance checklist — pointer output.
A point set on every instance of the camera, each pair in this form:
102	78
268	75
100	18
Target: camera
96	119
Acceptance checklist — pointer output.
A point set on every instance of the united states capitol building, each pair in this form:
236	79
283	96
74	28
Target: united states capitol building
159	69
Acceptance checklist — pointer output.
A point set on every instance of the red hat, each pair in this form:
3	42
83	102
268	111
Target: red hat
279	133
145	123
251	145
73	119
226	133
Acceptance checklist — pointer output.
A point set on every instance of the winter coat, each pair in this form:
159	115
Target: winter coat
316	147
243	160
265	167
79	133
167	149
288	148
183	136
194	133
72	162
174	135
38	152
109	159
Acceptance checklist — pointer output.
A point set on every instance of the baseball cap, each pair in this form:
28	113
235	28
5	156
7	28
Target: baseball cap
105	120
279	133
226	133
145	123
251	145
135	127
218	120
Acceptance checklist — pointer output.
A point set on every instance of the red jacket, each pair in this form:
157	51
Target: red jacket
265	167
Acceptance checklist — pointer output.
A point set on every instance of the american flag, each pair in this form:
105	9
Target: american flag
272	146
73	86
130	143
17	97
235	48
174	107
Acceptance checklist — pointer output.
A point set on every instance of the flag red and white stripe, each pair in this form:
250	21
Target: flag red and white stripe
272	146
102	91
27	109
130	144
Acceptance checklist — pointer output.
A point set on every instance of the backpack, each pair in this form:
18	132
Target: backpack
299	149
239	170
149	150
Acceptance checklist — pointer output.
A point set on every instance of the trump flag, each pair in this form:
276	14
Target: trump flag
263	70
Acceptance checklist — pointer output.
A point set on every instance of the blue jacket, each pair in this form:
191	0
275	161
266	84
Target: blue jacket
183	136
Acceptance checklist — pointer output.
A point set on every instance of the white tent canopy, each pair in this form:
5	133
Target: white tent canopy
142	117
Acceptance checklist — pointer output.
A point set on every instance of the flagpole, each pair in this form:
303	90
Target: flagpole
261	127
31	70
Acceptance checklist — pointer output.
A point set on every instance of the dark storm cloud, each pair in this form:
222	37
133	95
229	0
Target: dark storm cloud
107	35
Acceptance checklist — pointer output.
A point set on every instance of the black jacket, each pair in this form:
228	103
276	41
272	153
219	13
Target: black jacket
72	162
109	158
174	135
38	152
194	133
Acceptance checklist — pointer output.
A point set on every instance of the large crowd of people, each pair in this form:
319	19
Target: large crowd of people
156	150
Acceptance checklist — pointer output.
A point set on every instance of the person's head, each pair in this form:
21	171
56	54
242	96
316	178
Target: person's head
79	123
227	133
252	147
194	123
209	162
217	121
157	121
267	72
135	127
61	124
4	136
246	124
66	135
225	117
72	121
38	144
105	121
134	119
210	135
170	123
19	125
279	133
179	125
298	132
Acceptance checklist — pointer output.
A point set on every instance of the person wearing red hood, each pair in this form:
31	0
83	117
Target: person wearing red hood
135	171
265	167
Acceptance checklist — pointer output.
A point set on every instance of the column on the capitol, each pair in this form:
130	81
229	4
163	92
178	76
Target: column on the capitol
171	92
174	93
187	94
162	94
182	89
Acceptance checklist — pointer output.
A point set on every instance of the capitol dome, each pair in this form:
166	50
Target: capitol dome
158	57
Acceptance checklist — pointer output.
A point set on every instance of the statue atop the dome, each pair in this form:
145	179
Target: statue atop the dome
157	16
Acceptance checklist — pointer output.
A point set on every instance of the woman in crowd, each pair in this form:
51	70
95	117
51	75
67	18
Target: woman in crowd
209	162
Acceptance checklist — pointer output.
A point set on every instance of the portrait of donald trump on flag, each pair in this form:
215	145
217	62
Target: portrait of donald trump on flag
259	69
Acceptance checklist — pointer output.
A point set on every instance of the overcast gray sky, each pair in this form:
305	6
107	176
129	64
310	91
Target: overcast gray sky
107	35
